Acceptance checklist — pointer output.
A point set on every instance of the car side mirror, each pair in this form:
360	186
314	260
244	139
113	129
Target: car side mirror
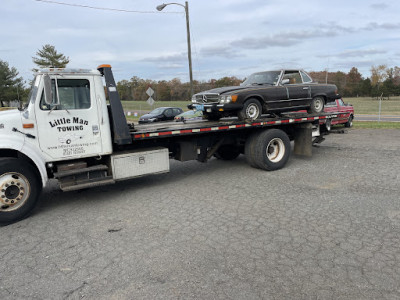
285	81
48	92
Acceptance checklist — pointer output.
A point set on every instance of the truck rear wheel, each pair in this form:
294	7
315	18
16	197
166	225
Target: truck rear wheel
249	147
20	187
271	149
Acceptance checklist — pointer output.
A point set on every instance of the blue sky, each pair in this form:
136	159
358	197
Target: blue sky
229	38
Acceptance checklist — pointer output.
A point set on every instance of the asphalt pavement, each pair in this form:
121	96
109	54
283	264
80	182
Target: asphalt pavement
325	227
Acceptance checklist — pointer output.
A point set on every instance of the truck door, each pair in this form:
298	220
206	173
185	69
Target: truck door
69	128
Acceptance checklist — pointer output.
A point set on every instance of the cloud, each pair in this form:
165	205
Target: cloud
386	26
380	6
222	51
171	58
355	53
283	39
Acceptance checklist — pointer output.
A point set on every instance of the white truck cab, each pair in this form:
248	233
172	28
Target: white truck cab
65	119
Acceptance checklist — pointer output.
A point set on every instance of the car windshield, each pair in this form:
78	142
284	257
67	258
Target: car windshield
270	77
157	111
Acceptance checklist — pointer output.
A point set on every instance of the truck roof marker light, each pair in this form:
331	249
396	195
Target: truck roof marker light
234	98
103	66
29	125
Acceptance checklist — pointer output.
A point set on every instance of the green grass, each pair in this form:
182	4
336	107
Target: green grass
144	107
376	125
369	106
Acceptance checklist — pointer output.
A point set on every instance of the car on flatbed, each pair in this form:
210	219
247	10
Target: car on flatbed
190	115
265	93
160	114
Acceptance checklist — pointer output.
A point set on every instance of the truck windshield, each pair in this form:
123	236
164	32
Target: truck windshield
269	78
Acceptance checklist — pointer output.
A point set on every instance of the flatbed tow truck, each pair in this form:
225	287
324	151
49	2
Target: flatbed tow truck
70	132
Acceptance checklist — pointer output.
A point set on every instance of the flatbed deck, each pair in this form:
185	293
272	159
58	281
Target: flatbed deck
171	128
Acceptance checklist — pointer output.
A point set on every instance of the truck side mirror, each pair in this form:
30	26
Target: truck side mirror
48	92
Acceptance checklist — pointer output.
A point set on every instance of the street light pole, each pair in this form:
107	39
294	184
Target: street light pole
186	7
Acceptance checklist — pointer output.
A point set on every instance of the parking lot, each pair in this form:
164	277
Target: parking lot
326	227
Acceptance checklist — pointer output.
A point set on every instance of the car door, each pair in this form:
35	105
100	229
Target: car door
275	97
298	91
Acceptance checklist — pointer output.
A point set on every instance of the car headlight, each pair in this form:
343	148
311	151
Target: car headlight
225	99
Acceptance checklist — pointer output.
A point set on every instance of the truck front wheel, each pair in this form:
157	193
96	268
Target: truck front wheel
20	187
271	149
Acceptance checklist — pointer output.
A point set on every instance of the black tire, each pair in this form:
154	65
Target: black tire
20	187
249	152
317	105
251	110
349	122
328	125
271	149
211	117
227	152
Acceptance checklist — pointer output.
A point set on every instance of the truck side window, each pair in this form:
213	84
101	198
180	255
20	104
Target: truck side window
72	94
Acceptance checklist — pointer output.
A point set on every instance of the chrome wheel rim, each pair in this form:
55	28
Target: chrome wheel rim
14	191
252	111
328	125
318	105
275	150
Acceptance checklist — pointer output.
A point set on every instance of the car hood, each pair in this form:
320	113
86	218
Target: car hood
223	90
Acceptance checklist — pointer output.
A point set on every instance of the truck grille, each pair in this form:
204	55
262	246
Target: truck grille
207	98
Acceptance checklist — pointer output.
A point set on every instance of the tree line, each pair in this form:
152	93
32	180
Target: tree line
383	81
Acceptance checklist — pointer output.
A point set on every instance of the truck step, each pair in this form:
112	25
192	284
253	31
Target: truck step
71	172
68	186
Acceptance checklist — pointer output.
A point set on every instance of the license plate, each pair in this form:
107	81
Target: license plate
199	107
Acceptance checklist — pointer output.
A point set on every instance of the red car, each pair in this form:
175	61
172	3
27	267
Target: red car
338	106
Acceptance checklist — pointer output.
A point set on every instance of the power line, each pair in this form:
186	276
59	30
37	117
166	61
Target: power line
105	8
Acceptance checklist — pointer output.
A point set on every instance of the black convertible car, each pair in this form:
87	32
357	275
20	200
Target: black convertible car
265	92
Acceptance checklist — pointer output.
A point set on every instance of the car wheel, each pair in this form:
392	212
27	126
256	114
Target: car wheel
20	187
251	110
328	125
227	152
317	105
349	122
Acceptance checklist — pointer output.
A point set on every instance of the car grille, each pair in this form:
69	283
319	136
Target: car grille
207	98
